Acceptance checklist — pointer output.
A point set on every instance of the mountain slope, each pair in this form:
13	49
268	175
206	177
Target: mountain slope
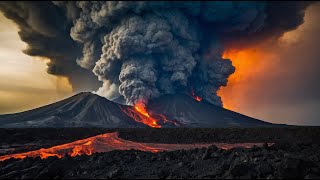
200	114
81	110
91	110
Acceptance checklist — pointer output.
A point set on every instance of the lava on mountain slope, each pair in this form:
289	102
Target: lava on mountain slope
198	98
194	96
140	114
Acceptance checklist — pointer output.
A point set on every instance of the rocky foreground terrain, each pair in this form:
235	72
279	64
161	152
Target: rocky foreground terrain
281	160
294	154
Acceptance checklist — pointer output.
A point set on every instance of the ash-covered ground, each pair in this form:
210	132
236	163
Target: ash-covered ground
295	154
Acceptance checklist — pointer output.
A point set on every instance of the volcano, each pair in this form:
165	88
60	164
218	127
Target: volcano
81	110
90	110
195	113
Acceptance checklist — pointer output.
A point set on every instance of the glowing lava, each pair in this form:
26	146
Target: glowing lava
140	114
196	97
145	117
108	142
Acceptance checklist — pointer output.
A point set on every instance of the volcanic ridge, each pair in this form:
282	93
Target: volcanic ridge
90	110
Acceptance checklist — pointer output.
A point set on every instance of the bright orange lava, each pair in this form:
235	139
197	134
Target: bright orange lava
108	142
145	117
198	98
140	114
193	94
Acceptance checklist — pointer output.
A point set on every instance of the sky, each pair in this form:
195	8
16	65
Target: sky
276	81
24	82
279	82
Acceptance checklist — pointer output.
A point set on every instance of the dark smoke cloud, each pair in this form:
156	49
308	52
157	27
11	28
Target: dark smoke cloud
279	17
46	31
146	49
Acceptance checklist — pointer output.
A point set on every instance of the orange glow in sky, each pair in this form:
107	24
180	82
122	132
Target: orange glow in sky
249	64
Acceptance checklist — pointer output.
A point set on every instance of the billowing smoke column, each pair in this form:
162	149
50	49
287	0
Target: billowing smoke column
142	50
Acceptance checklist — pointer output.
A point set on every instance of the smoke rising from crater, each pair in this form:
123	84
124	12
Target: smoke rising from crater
146	49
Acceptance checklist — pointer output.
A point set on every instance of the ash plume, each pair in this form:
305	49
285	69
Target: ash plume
44	28
147	49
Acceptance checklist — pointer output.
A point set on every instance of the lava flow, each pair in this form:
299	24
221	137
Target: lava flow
108	142
140	114
145	117
198	98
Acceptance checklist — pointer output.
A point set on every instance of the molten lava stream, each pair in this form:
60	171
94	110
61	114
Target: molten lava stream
140	114
111	141
101	143
145	117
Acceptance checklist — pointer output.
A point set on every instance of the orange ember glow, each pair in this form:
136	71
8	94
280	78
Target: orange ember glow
108	142
196	97
193	94
239	62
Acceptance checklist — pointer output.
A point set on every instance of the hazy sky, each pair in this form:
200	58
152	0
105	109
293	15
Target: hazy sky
276	82
24	82
279	81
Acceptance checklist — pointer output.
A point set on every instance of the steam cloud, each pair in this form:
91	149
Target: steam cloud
142	50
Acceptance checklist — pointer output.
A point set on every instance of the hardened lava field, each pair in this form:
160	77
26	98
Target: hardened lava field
295	153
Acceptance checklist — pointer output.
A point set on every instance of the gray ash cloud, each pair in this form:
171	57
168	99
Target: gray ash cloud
141	50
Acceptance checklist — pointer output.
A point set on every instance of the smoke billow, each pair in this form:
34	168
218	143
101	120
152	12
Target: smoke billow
141	50
44	28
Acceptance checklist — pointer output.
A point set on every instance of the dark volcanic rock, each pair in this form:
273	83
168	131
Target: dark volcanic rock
294	168
265	168
200	114
115	172
284	136
292	156
209	151
211	162
312	176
